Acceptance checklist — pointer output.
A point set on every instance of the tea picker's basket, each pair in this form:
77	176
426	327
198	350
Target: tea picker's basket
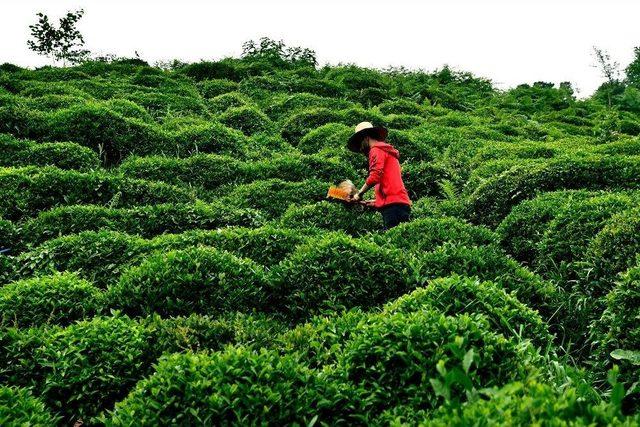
342	191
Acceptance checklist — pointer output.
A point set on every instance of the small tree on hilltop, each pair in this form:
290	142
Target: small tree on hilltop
272	49
62	43
610	71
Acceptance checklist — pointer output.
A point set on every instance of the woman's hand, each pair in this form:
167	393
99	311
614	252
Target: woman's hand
356	197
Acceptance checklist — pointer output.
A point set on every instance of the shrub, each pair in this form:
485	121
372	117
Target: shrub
401	106
208	171
293	167
198	280
404	121
493	199
110	134
293	103
14	152
522	230
28	190
422	179
9	235
263	386
427	234
337	272
568	234
222	103
531	403
274	196
420	359
209	138
18	407
411	148
456	295
223	69
353	220
610	252
489	264
266	245
214	87
249	120
330	135
59	299
299	124
320	341
146	221
99	257
618	328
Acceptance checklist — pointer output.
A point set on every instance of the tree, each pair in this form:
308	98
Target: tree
272	49
62	43
633	69
610	71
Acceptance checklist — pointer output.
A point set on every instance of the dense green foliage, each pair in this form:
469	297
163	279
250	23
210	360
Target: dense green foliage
168	254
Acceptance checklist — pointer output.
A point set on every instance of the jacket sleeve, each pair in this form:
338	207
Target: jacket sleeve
376	166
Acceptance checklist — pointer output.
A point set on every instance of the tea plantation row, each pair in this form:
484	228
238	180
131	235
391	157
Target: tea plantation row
167	255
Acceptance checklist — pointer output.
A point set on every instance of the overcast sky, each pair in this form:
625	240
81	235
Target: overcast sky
509	42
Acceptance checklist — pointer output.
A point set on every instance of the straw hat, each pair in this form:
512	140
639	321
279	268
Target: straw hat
365	129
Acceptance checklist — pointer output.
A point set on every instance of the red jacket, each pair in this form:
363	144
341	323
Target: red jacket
385	174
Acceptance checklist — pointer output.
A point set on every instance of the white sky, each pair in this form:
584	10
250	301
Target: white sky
510	42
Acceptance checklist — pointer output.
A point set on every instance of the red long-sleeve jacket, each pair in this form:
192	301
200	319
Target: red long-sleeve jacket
385	174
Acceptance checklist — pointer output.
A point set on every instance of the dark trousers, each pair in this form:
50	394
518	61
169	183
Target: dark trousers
395	214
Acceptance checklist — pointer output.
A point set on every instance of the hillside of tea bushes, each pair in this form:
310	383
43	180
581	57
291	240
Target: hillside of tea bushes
169	257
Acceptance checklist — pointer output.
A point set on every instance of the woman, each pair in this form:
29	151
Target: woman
391	197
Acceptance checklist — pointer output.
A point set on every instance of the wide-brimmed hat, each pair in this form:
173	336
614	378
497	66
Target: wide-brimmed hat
366	129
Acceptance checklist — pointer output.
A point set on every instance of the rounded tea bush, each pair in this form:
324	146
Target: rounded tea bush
247	119
522	230
18	407
427	234
330	135
456	295
531	403
353	220
222	102
9	235
99	257
618	328
197	280
335	273
421	179
59	299
233	387
611	251
267	245
421	358
299	124
145	221
214	87
212	137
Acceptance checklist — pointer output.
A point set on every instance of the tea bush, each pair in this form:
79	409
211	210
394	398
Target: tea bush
267	245
213	87
99	257
320	341
207	138
249	120
59	299
423	358
353	220
19	407
610	252
64	155
522	230
146	221
197	280
293	103
335	273
330	135
531	403
263	385
422	179
618	329
221	103
299	124
568	235
424	235
456	295
490	264
274	196
9	235
493	200
28	191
